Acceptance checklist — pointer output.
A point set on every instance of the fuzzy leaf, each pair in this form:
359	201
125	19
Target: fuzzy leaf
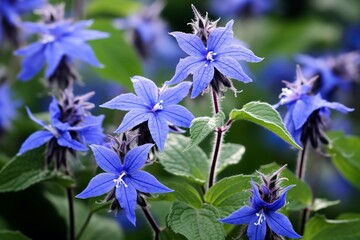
265	115
201	224
201	127
192	164
230	154
320	203
184	192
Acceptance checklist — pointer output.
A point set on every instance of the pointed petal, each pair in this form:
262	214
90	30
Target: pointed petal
53	55
159	129
54	109
256	231
91	132
256	201
173	95
177	115
98	185
30	49
32	117
280	202
136	158
125	102
146	90
35	140
107	159
220	37
201	79
190	43
90	34
65	140
132	119
31	27
33	61
241	216
281	225
127	198
231	68
185	67
239	53
147	183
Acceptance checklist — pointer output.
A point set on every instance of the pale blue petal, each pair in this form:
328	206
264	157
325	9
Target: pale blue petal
177	115
202	78
132	119
125	102
231	68
65	140
35	140
30	49
185	67
90	34
146	90
281	225
78	26
241	216
256	232
280	202
147	183
173	95
159	129
220	38
127	198
53	54
239	53
256	202
136	158
190	43
32	117
33	61
98	185
107	159
31	27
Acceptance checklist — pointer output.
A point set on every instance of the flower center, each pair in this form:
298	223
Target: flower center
47	38
209	56
262	218
158	106
120	181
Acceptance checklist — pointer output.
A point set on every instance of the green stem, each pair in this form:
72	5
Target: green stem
70	197
84	226
151	220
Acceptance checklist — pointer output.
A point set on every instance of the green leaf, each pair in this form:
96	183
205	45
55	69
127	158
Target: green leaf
201	127
184	192
28	169
201	224
265	115
298	197
193	164
168	234
229	194
345	154
118	57
110	7
230	154
320	228
12	235
320	203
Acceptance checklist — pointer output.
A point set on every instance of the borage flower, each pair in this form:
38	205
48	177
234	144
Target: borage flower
261	216
158	108
126	178
217	55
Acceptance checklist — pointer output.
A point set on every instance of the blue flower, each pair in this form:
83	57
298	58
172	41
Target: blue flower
126	177
7	105
59	41
158	108
262	215
219	54
235	8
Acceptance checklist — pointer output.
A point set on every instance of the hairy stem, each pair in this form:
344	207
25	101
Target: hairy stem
84	226
215	102
301	162
151	220
70	197
303	219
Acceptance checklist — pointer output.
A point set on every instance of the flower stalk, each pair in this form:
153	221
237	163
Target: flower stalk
150	219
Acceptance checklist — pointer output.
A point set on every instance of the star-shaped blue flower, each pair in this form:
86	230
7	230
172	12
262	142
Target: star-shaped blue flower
220	53
126	177
261	215
88	131
158	107
57	40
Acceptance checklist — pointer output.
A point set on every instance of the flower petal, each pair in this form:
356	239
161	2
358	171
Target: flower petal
33	61
256	201
173	95
90	130
136	158
125	102
54	109
185	67
159	129
201	79
127	198
241	216
177	115
53	55
65	140
190	43
107	159
280	202
98	185
147	183
281	225
90	34
35	140
32	117
132	119
31	27
220	37
146	90
231	68
256	231
239	53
